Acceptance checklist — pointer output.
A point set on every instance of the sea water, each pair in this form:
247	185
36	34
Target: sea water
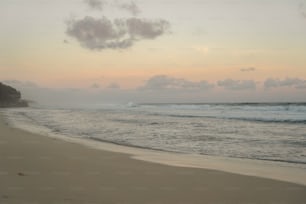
261	132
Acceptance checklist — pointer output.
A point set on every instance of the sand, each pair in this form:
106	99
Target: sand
40	169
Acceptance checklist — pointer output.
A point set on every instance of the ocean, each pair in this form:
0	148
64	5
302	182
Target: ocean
255	131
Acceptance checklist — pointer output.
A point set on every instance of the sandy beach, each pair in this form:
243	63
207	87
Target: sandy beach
39	169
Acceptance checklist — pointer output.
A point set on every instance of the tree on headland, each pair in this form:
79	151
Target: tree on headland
10	97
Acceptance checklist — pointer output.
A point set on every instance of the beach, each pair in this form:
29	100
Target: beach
40	169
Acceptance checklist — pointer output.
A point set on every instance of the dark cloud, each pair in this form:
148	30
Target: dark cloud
142	28
166	82
98	33
95	4
248	69
231	84
288	82
103	33
131	7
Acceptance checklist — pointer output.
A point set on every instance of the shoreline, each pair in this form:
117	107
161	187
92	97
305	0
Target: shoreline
259	168
40	169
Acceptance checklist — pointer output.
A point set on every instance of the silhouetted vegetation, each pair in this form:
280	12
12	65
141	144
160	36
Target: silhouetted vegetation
10	97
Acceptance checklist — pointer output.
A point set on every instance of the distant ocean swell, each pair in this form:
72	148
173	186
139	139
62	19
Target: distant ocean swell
302	121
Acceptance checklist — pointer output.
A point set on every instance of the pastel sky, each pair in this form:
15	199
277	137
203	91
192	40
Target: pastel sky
158	50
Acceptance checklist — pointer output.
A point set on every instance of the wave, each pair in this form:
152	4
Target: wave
181	152
131	145
255	112
264	120
225	104
232	106
264	159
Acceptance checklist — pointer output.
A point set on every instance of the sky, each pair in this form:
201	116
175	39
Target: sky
155	51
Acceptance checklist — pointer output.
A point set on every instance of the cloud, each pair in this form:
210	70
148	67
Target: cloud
302	9
231	84
95	4
161	82
146	29
26	84
98	33
113	86
287	82
103	33
131	7
248	69
95	86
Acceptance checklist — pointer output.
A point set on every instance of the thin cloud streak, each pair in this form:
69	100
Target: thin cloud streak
248	69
